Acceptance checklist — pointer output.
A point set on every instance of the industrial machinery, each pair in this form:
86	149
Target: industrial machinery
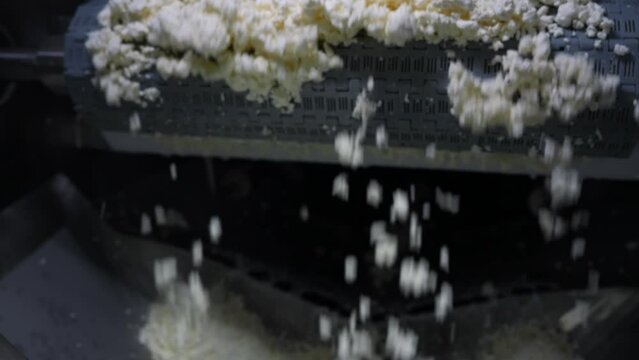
72	259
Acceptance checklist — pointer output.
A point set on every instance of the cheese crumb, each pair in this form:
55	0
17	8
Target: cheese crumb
564	186
239	44
413	277
448	202
593	281
165	272
198	294
325	327
340	187
576	317
215	229
173	171
364	308
374	194
580	219
552	226
349	146
350	269
378	233
135	125
381	138
415	233
354	344
197	253
349	151
444	258
621	50
160	215
443	302
431	151
426	211
399	209
145	225
578	248
304	215
386	251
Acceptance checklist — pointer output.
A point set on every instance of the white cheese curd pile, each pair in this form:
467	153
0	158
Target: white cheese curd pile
187	325
531	88
270	48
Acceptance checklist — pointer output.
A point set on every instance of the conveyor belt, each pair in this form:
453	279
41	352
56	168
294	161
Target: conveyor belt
196	117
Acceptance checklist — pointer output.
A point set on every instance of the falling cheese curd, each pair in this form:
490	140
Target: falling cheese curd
270	48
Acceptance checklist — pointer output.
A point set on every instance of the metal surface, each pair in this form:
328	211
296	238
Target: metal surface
20	64
57	304
410	84
8	352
